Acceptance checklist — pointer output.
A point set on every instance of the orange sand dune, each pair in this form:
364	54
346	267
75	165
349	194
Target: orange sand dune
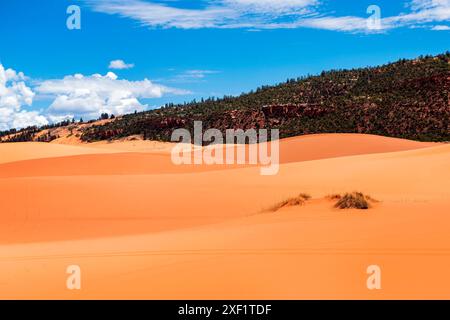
134	146
148	157
100	164
205	235
11	152
303	148
324	146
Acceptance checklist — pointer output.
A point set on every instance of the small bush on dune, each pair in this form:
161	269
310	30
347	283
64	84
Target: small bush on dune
352	201
291	202
355	200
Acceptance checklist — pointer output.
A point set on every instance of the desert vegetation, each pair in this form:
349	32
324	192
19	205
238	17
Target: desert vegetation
405	99
291	202
354	200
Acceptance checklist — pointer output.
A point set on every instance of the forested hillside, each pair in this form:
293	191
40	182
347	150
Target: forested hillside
406	99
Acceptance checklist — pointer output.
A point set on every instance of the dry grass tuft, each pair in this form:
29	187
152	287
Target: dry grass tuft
291	202
354	200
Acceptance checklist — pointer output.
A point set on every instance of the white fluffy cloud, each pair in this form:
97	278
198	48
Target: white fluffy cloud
24	119
89	96
268	14
120	65
72	96
14	94
13	91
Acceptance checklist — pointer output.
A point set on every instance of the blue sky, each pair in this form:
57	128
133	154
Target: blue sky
174	51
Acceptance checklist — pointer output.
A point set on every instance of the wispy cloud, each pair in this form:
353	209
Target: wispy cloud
120	65
216	14
441	28
268	14
422	12
190	76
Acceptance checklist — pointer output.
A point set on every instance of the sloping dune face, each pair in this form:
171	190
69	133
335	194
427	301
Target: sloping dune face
145	157
325	146
11	152
140	227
